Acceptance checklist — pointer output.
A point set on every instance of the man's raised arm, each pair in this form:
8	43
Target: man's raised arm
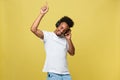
34	27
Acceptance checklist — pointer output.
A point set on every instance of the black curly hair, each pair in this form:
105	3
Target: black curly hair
67	20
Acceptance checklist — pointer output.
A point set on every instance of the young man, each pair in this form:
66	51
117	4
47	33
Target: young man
57	44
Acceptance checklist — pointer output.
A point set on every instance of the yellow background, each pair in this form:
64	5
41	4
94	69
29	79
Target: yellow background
96	36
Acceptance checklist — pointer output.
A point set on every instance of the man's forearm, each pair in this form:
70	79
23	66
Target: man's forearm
71	47
36	22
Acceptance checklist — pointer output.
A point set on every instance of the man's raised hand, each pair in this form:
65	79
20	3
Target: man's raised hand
44	9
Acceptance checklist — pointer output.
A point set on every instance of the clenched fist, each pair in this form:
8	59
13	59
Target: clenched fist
44	9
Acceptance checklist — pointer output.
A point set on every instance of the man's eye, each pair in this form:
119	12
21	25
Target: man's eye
61	27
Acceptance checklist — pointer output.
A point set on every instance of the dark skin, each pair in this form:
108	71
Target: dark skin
59	31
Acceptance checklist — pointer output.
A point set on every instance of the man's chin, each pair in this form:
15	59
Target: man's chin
60	35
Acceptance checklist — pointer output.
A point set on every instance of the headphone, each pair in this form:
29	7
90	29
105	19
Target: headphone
58	23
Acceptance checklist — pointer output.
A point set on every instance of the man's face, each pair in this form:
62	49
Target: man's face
62	28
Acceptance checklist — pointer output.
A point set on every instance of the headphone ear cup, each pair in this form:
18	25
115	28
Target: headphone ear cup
58	23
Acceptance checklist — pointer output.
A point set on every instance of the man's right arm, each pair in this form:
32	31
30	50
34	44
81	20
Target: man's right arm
34	27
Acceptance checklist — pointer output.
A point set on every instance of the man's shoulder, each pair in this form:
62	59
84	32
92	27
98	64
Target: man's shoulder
48	33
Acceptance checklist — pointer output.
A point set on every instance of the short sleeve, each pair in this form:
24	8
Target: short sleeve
45	33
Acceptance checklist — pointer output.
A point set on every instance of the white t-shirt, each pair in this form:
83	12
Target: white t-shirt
56	53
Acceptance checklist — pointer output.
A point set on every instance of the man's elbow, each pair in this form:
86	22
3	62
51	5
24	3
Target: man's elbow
72	53
32	30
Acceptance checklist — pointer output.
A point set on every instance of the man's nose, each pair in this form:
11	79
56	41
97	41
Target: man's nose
61	31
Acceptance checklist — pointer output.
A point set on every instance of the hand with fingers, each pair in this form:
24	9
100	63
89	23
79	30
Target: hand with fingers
44	9
68	34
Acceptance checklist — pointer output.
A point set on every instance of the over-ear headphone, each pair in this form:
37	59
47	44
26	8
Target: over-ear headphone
58	23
